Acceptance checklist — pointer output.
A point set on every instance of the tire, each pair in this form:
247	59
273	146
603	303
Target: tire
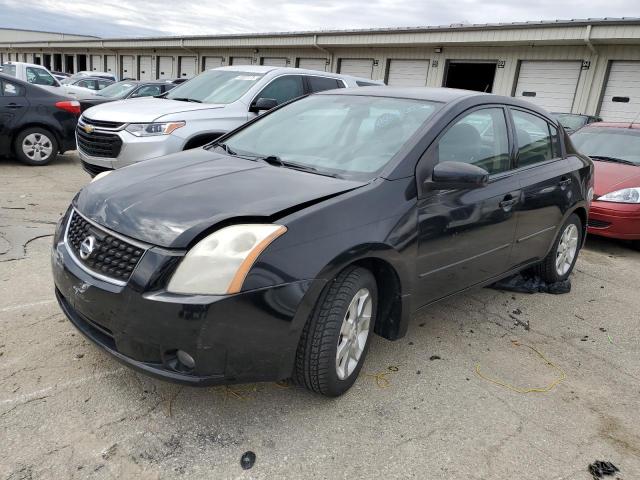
570	237
36	146
317	366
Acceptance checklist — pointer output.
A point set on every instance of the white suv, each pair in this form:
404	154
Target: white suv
117	134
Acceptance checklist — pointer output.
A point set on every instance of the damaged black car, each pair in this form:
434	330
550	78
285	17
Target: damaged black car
280	250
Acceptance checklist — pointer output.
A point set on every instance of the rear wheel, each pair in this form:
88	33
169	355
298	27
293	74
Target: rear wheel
335	339
36	146
558	265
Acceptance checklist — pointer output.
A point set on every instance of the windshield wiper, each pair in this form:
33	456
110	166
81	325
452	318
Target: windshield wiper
185	99
226	148
275	160
614	160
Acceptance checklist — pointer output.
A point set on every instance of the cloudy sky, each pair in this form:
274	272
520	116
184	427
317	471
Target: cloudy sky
112	18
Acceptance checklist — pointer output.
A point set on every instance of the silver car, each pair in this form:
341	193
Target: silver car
117	134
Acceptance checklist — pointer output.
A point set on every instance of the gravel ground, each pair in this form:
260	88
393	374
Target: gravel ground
419	410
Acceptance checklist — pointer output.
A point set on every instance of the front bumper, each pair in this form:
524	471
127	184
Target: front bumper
251	336
615	220
134	149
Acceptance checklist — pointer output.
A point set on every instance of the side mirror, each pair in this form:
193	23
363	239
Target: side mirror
263	104
457	175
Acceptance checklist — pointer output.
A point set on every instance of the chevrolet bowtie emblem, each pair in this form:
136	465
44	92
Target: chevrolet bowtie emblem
88	128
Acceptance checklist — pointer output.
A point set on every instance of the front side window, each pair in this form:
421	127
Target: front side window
319	84
283	89
350	136
533	137
216	86
38	76
479	138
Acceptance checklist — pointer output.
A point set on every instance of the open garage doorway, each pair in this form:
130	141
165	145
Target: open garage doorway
82	62
68	64
470	75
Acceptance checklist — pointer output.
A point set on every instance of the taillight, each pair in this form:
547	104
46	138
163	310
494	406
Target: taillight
71	106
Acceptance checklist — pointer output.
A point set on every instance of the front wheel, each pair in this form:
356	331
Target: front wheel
335	338
558	265
36	146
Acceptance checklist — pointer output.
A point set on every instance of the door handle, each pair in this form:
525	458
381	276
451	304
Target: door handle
508	202
14	105
564	181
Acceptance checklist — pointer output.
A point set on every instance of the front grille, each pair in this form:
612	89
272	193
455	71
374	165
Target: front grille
98	144
94	170
111	256
594	223
101	124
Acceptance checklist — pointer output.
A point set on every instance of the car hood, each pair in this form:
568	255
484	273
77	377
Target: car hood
610	177
71	91
171	200
144	109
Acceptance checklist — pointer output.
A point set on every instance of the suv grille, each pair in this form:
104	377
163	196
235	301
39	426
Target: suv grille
111	257
102	124
98	144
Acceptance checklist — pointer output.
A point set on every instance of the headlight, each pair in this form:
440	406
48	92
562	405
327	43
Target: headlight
100	175
626	195
153	129
219	263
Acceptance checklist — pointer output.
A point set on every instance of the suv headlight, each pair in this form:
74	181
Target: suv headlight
153	129
219	263
626	195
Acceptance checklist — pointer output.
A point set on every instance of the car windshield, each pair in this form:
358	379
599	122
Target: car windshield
345	135
610	143
117	90
216	86
571	121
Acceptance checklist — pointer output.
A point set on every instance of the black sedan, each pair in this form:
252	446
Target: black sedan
129	89
280	249
35	124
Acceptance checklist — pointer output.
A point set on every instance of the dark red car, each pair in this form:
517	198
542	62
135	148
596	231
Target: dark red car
615	149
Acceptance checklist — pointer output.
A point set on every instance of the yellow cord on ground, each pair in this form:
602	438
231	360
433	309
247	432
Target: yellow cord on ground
381	377
548	388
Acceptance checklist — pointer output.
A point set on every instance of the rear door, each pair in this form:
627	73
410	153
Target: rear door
547	185
465	235
13	105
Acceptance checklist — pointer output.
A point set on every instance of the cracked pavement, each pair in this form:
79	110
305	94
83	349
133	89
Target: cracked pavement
69	411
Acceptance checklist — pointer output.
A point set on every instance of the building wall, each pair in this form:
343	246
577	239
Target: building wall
16	35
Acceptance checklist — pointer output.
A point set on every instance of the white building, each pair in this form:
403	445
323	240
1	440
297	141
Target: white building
584	66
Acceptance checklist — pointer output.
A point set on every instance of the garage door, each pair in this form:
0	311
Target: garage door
146	68
274	62
408	73
96	63
550	85
188	67
313	64
127	66
241	60
110	61
212	62
165	67
621	99
357	67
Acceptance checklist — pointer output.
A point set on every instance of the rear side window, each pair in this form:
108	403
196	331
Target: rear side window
9	69
479	138
533	138
8	89
283	89
319	84
38	76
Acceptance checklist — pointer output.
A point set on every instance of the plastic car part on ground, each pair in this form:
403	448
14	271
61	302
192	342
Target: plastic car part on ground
599	469
526	282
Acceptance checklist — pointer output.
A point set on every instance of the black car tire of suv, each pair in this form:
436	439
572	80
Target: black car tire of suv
546	269
316	363
44	134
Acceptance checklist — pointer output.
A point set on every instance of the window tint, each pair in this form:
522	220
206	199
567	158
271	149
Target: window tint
10	90
479	138
360	83
318	84
87	84
283	89
38	76
147	91
532	135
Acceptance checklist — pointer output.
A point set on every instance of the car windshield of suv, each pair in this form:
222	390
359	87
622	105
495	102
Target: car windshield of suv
215	86
570	121
117	90
609	143
342	135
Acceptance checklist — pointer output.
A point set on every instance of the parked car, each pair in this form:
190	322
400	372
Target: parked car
92	83
192	114
60	75
278	250
573	121
35	124
86	73
615	147
38	75
129	89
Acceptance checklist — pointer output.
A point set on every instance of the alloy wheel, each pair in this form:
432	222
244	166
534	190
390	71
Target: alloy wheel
567	249
353	333
37	147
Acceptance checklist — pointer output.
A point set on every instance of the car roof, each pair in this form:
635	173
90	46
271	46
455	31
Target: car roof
264	69
635	126
439	94
24	63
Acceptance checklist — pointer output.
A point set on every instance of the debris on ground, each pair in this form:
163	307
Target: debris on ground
525	282
599	469
247	460
434	357
381	377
